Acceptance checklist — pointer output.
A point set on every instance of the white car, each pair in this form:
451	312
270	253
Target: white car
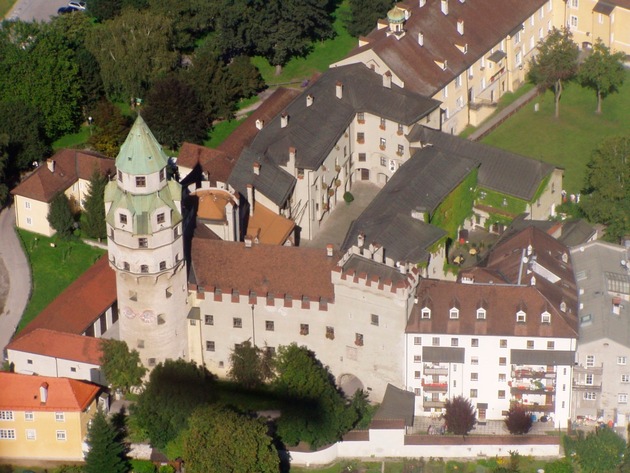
77	5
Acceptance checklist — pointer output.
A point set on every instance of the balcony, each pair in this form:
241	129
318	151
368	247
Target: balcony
581	386
435	387
531	389
431	403
529	373
580	369
436	369
540	407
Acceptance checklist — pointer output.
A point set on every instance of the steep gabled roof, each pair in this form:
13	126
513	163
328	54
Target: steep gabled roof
21	392
69	166
65	346
486	23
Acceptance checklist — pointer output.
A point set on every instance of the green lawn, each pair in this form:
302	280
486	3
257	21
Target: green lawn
53	269
321	56
75	140
5	6
221	131
569	141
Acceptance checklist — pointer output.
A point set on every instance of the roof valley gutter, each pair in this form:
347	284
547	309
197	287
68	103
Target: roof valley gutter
520	268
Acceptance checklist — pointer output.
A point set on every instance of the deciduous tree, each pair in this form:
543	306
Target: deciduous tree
596	452
460	415
607	198
602	71
555	63
60	216
518	421
122	368
223	441
109	130
364	14
175	389
246	365
106	452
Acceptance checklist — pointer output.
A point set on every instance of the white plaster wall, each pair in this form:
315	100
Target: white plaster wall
54	367
36	211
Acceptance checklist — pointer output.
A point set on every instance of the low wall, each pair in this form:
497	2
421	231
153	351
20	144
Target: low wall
393	443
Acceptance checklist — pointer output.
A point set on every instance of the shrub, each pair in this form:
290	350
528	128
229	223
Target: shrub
460	416
348	197
142	466
518	421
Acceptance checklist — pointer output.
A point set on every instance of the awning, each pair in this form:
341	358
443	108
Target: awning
496	56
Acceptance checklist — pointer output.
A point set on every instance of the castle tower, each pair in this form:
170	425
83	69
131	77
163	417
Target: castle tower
146	249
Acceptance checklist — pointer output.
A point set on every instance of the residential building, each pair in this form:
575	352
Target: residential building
601	379
68	171
467	55
45	418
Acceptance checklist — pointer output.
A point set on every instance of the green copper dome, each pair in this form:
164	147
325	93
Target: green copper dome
141	154
396	15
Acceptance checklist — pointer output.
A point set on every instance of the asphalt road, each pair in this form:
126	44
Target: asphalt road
40	10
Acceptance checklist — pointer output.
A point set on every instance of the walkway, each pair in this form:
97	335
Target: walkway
18	276
498	118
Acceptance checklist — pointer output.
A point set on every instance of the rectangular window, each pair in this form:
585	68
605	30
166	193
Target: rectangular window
401	130
358	339
330	333
61	435
360	137
126	266
501	394
474	342
140	344
622	360
160	218
473	393
503	343
417	391
383	123
209	346
29	416
590	361
6	415
141	181
269	325
530	344
474	360
417	340
361	117
383	144
622	398
7	434
162	174
588	379
502	361
362	157
417	359
60	416
520	316
143	242
209	319
123	219
374	319
502	377
573	21
625	378
436	341
401	150
417	374
30	434
383	161
304	329
590	396
237	322
29	221
474	376
454	342
163	268
458	81
551	345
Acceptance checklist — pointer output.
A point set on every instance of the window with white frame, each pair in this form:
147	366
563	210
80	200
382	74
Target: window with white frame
30	434
417	340
454	342
6	415
445	92
551	345
622	360
458	81
532	43
573	21
426	313
453	313
520	316
518	59
383	143
481	313
588	379
7	434
541	33
590	361
574	3
29	416
27	204
417	391
545	318
625	378
622	398
417	359
502	377
474	342
61	435
460	102
518	36
417	374
435	342
60	416
589	396
474	360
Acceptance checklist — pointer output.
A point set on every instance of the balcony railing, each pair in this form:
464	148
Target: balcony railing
436	369
540	407
590	369
529	373
435	387
581	386
533	390
432	403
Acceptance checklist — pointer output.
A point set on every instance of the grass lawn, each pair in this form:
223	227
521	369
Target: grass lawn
221	131
321	56
5	6
569	141
75	140
53	269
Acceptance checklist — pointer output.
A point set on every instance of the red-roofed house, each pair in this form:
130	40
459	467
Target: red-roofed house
68	171
45	418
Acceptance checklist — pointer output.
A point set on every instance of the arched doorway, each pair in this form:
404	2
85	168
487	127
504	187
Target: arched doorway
349	384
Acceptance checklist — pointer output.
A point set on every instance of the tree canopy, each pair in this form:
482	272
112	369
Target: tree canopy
174	390
223	441
122	368
60	216
607	198
109	129
250	366
555	63
602	71
518	420
596	452
106	452
460	415
364	14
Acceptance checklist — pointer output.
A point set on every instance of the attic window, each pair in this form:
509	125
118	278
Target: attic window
520	316
454	313
123	219
481	313
563	306
141	181
426	313
545	318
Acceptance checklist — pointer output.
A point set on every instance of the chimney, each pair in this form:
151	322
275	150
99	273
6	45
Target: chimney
339	90
422	3
248	241
329	250
387	80
421	39
444	6
43	391
309	100
260	123
284	120
250	198
460	26
360	240
51	165
292	153
256	168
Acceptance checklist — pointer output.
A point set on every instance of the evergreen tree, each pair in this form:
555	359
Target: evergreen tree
107	453
94	225
60	216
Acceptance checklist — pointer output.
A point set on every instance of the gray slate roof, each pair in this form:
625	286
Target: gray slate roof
421	183
597	321
500	170
314	130
397	404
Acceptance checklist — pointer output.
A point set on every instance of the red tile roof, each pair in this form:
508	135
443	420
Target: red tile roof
501	302
263	269
65	346
216	163
76	308
21	392
69	166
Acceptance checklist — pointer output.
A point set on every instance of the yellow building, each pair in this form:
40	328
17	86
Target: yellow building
44	418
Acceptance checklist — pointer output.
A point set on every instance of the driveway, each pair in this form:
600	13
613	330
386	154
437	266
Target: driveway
40	10
15	276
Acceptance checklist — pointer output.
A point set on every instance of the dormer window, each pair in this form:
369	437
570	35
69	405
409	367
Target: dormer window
520	316
563	306
545	317
141	181
123	219
426	313
481	313
160	218
454	313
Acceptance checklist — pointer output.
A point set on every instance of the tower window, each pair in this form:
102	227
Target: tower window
160	218
162	174
162	265
120	176
141	181
237	322
175	232
126	266
144	268
123	219
143	243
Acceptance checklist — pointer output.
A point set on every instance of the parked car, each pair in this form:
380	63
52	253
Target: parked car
65	10
77	5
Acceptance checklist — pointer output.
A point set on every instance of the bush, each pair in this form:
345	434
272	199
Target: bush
348	197
142	466
518	421
460	416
